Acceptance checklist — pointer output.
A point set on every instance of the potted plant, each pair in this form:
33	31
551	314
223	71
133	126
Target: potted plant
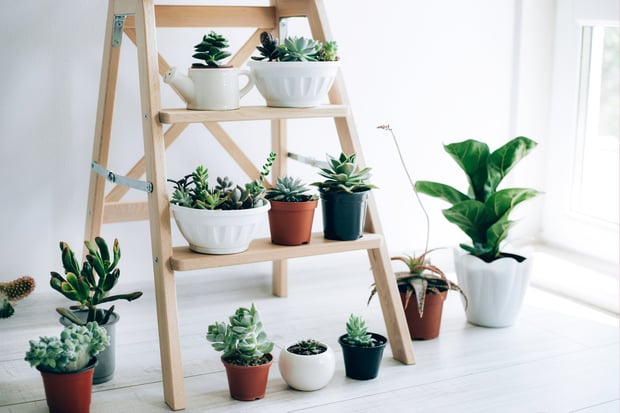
344	195
362	351
292	211
297	73
90	286
246	353
66	364
307	365
13	291
221	219
212	85
495	281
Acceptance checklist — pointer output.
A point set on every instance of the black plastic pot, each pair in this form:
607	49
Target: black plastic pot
344	214
362	363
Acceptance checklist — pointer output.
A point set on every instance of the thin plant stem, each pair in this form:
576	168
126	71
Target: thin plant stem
417	195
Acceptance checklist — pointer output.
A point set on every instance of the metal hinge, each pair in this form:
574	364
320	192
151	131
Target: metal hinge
120	179
117	32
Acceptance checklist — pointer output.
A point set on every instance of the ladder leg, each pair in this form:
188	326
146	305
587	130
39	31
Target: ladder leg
103	129
279	276
161	242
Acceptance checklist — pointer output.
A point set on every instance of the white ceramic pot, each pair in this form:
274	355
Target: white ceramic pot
217	231
307	373
494	290
294	84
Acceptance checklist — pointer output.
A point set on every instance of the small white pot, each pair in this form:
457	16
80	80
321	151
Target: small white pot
294	84
494	290
307	373
218	231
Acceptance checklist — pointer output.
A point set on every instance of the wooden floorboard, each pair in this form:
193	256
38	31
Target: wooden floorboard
559	356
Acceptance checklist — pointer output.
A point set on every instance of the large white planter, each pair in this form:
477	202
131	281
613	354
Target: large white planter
217	231
494	290
307	373
294	84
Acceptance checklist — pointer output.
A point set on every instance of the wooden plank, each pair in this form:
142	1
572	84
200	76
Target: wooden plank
251	113
125	211
211	16
262	250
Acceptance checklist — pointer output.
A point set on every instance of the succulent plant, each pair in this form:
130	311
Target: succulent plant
342	175
357	334
193	191
71	351
289	189
295	49
90	285
307	347
12	291
210	49
242	341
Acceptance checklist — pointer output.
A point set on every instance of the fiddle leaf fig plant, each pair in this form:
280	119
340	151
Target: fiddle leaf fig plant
482	213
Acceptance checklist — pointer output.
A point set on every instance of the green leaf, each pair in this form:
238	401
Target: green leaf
442	191
103	248
68	259
473	217
503	159
504	201
471	155
496	234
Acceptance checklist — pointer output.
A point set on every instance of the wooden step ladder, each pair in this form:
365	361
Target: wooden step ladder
138	20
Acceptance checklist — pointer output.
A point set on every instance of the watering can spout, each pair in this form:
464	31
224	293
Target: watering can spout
181	83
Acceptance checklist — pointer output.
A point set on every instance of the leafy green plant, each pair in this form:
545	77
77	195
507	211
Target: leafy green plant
193	190
210	49
295	49
71	351
289	189
357	333
13	291
90	285
307	347
242	341
343	175
483	212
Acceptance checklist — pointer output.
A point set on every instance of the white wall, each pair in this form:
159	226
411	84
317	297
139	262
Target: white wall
438	72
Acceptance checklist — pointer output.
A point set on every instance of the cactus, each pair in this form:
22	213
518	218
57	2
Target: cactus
357	334
12	291
211	50
90	285
71	351
289	189
193	191
243	341
342	175
295	49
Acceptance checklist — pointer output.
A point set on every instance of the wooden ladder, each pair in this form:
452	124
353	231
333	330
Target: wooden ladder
138	20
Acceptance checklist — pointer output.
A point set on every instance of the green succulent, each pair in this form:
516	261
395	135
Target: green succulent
483	212
295	49
193	191
210	49
71	351
328	52
242	341
357	334
90	285
289	189
307	347
268	48
342	175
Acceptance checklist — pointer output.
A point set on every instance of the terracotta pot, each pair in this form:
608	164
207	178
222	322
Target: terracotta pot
290	223
247	383
427	326
362	363
69	392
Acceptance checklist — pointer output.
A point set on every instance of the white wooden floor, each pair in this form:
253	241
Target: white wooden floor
559	357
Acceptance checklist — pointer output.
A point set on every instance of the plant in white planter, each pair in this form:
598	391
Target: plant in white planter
307	365
494	281
212	85
220	219
297	73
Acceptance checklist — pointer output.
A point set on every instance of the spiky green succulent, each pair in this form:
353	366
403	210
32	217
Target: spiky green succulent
242	341
328	52
210	49
295	49
357	332
268	48
343	175
289	189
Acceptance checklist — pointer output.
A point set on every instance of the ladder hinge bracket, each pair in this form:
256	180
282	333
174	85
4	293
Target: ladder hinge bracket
120	179
117	32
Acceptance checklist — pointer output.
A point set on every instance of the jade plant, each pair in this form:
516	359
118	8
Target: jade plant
13	291
357	333
308	347
483	211
342	175
242	341
211	50
289	189
194	191
69	352
90	285
295	49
